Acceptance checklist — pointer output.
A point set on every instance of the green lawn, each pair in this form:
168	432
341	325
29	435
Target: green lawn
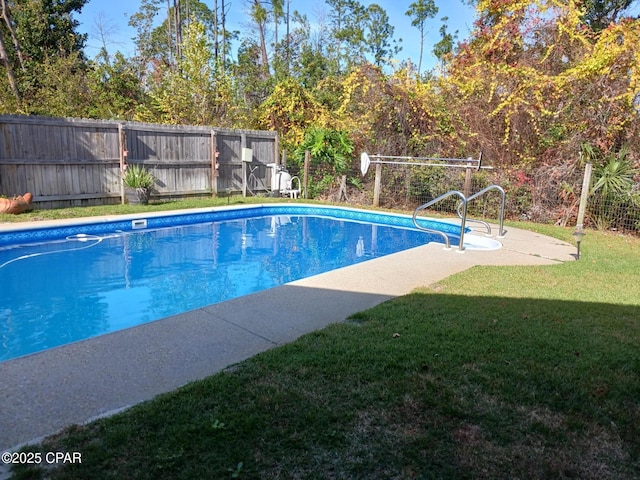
76	212
494	373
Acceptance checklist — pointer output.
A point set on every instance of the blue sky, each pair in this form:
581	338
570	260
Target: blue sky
114	16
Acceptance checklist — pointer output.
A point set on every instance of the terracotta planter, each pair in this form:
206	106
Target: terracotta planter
16	205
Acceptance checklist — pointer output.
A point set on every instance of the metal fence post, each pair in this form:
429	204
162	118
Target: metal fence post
305	178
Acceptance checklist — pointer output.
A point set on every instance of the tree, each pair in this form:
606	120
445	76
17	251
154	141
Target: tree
42	32
337	15
8	24
115	89
306	53
420	11
162	42
259	15
290	110
379	35
104	28
248	74
277	12
347	29
601	13
597	14
545	82
176	14
186	95
281	48
287	47
311	67
6	63
143	22
445	46
221	35
47	27
5	60
61	89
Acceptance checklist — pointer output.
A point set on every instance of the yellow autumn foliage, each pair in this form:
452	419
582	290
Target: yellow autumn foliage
290	110
533	65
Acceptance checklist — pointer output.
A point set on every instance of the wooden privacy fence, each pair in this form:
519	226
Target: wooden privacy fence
75	162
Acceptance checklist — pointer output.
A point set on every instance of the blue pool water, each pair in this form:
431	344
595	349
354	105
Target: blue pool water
68	285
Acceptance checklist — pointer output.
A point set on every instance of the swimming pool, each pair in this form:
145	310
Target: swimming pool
66	283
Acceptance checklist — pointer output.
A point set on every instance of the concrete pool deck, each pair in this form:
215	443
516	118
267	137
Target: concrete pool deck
46	392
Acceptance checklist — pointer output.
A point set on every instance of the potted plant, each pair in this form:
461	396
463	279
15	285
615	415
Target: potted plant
138	182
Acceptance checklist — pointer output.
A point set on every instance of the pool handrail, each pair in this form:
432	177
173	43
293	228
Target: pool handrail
464	201
444	235
501	231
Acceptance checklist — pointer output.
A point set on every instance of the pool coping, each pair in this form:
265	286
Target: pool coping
45	392
58	229
9	226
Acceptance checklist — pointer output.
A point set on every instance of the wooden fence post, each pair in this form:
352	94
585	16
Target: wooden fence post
214	164
377	185
584	195
467	181
122	140
243	144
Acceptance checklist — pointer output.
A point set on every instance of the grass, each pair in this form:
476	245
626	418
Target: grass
497	372
157	206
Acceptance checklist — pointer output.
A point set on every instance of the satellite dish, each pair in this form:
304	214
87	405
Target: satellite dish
364	163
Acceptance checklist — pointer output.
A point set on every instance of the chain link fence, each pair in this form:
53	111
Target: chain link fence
542	197
615	211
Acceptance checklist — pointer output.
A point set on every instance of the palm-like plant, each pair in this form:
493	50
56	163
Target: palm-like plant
613	200
136	176
139	182
615	177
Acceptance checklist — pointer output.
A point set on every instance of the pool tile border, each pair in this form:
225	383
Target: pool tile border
35	232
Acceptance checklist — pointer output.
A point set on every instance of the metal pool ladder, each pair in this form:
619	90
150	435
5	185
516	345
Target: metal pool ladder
462	214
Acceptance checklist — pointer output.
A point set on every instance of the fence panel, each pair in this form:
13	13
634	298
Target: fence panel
615	211
74	162
232	174
61	161
179	157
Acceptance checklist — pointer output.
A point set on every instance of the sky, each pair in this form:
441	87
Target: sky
114	15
